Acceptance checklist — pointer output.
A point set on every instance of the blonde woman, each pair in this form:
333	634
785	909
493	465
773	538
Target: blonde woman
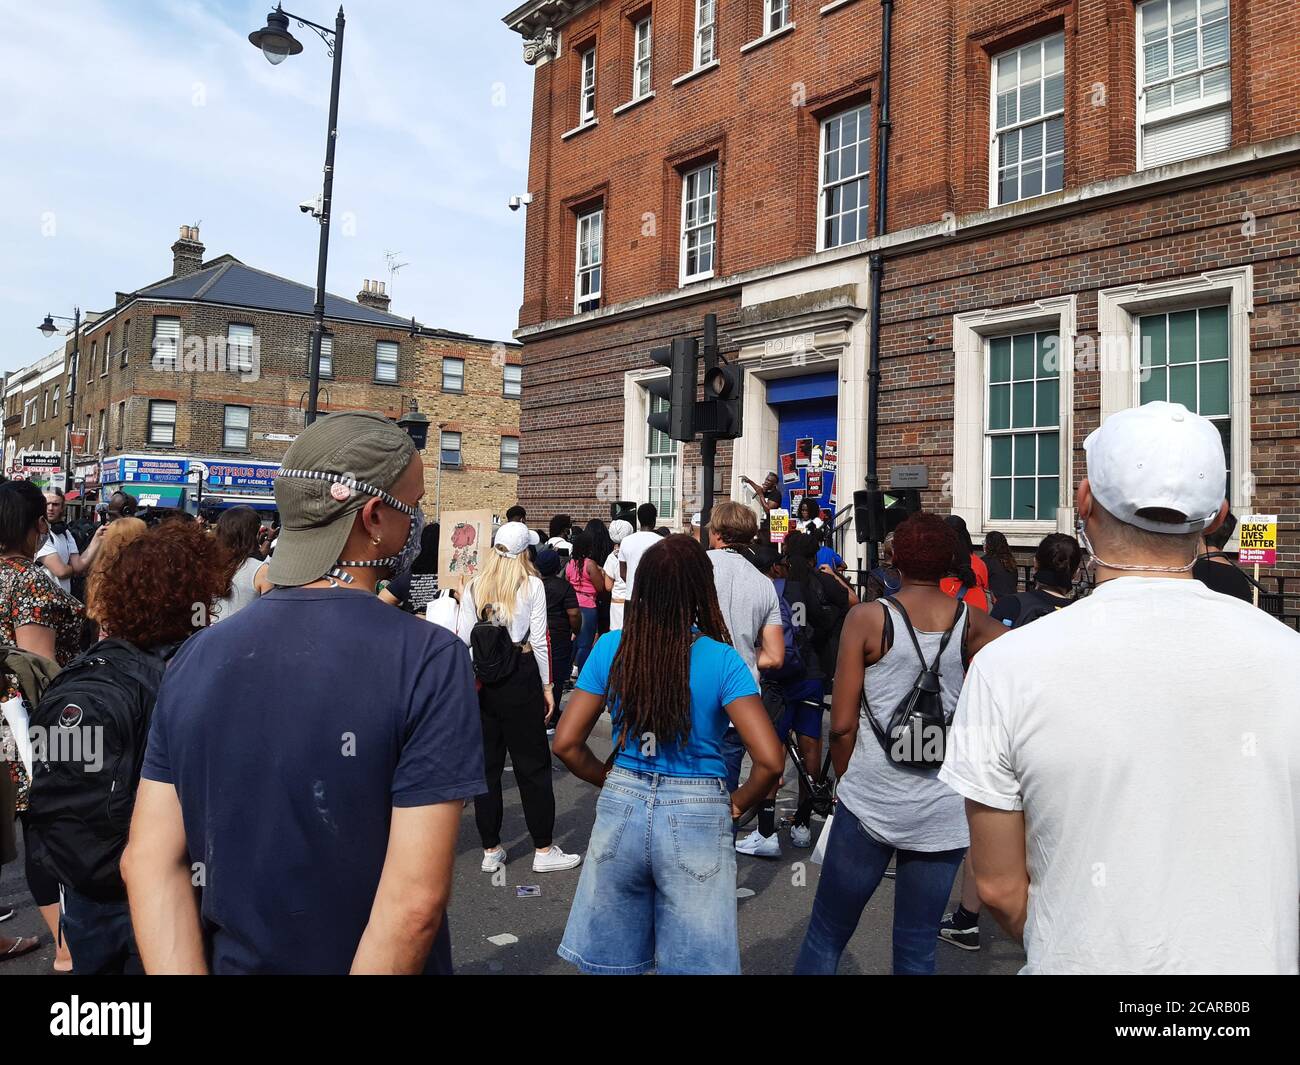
516	696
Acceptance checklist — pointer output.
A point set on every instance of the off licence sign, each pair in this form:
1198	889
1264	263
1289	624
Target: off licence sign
1258	534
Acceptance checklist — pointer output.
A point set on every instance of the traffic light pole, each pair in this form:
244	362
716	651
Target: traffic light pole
708	460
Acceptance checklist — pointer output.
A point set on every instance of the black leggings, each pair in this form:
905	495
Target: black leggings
513	714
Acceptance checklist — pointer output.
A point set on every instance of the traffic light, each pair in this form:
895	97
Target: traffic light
877	514
678	389
721	410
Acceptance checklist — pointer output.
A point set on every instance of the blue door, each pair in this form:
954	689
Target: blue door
806	410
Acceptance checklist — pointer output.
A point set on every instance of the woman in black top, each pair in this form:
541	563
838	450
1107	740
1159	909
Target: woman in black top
1001	565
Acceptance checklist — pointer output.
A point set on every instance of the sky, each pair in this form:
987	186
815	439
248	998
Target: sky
121	120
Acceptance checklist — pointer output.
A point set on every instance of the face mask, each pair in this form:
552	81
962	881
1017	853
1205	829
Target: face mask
1094	560
405	559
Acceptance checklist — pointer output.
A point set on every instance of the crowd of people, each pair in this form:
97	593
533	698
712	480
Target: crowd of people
299	749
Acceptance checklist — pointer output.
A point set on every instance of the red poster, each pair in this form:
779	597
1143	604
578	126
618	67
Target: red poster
815	484
830	455
803	451
789	471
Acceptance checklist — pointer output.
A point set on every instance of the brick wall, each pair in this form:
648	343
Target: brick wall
758	113
482	414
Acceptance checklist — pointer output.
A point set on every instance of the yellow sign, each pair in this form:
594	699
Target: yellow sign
779	525
1258	537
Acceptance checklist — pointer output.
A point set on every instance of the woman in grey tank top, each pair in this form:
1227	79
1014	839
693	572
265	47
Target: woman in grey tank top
886	810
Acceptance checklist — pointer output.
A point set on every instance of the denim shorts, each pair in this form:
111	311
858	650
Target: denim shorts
658	887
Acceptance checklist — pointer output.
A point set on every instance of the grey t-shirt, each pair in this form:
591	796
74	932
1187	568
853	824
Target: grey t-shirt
901	806
748	602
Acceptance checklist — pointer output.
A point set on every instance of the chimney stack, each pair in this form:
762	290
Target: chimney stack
187	252
372	294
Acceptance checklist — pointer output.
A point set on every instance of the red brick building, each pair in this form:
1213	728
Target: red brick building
1091	203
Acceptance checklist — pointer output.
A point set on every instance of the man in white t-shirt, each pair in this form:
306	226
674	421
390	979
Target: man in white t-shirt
619	531
1134	793
636	545
59	553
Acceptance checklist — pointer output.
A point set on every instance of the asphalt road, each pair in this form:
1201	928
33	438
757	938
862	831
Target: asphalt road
494	931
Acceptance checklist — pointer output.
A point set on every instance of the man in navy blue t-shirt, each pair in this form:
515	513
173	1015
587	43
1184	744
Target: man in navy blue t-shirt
308	759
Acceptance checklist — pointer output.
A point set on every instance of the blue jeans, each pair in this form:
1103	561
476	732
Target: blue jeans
586	638
100	937
854	864
658	887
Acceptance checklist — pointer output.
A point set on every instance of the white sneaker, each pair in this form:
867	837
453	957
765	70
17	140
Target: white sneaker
554	860
759	845
493	860
801	835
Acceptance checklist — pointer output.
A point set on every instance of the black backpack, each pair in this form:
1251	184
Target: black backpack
84	782
1033	605
495	654
917	732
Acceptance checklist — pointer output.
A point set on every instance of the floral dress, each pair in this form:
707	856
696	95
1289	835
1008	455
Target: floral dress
29	597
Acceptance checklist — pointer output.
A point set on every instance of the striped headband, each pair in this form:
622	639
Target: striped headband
347	480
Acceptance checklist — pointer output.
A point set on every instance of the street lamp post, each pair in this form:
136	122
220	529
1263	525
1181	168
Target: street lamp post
437	484
277	43
48	329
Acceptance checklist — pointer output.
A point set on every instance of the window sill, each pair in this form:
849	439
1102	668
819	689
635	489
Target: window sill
386	384
507	395
504	470
621	108
712	64
581	127
758	42
695	279
834	5
447	466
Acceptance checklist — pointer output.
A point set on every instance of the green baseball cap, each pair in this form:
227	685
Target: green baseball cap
323	481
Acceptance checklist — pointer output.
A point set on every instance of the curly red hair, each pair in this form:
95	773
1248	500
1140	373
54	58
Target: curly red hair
162	586
923	547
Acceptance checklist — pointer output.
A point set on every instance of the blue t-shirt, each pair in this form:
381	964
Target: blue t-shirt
718	676
827	556
290	731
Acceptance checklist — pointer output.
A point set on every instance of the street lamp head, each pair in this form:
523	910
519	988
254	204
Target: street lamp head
274	39
47	327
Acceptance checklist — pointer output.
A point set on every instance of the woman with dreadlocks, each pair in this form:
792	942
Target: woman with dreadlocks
658	890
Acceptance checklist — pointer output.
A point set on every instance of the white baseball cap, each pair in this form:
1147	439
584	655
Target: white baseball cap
514	538
1158	456
620	530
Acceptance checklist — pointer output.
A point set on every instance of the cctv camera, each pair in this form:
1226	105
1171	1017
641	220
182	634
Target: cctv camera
520	201
314	206
514	203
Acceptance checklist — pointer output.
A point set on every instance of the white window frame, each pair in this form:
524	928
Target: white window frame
57	396
996	132
227	427
155	405
589	220
642	58
824	190
635	473
326	368
239	347
505	453
518	381
158	359
447	362
443	434
120	436
384	347
772	11
103	430
108	353
686	278
1118	311
1178	111
587	87
971	332
705	46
